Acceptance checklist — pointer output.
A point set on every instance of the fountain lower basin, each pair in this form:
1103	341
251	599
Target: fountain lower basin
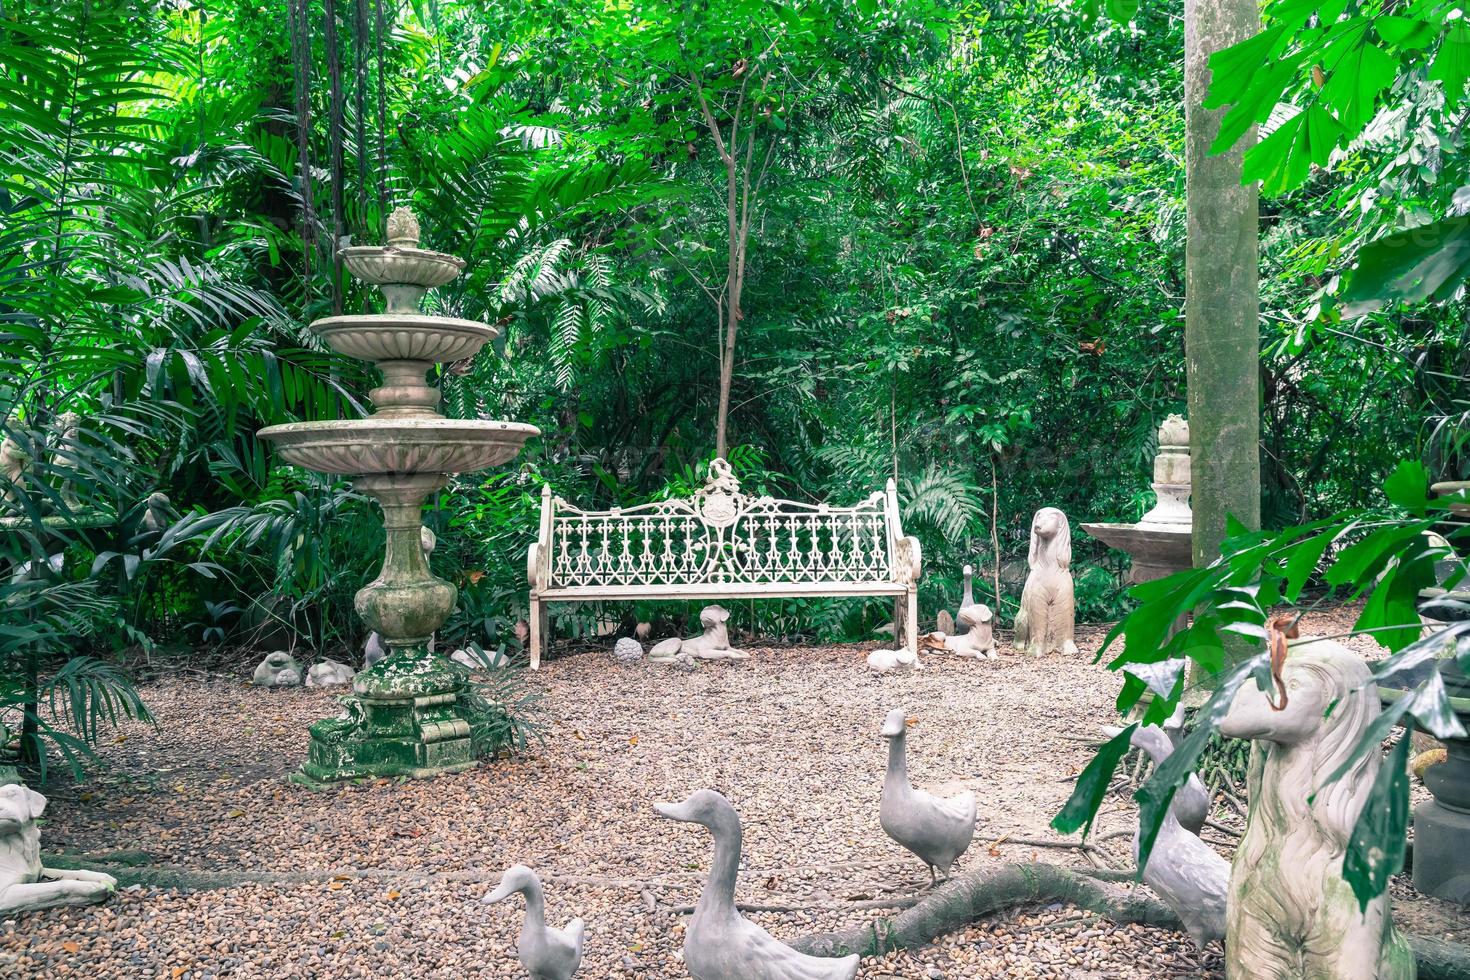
354	447
1157	549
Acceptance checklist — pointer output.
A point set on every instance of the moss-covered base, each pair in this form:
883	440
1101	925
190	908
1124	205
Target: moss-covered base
408	718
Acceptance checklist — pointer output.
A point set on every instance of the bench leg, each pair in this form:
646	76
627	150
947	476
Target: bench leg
540	626
911	622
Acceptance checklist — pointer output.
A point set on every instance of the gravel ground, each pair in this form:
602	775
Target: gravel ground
383	879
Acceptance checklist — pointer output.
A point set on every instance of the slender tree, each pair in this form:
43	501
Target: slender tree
1222	291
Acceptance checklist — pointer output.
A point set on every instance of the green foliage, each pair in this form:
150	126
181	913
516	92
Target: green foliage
1383	553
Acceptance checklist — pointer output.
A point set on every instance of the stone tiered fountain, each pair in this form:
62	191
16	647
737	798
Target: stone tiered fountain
1160	541
409	715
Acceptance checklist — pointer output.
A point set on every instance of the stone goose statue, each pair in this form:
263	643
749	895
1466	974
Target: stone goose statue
721	944
936	831
1191	801
1183	870
546	953
968	598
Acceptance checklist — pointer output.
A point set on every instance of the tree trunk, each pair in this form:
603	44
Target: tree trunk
996	888
1222	292
734	274
990	889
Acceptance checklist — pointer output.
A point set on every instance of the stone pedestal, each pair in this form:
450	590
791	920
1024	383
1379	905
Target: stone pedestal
406	718
1440	839
1442	825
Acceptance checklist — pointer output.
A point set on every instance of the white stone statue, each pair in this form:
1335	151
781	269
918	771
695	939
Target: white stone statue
888	661
1045	622
329	673
278	669
937	831
627	651
714	644
1290	912
14	461
25	885
546	953
157	512
979	641
64	446
374	649
721	944
1188	874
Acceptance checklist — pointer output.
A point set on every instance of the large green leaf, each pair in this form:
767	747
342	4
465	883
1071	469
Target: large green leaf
1360	73
1410	266
1092	785
1452	62
1375	851
1285	159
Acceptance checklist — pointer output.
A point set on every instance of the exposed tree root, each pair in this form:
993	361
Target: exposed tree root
968	897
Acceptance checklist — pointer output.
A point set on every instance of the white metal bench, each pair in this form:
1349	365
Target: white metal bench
723	544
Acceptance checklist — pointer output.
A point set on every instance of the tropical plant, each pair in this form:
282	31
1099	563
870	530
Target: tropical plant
1382	553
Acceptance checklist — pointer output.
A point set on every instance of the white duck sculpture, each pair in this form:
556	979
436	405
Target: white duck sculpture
546	953
936	831
1191	801
1183	870
721	944
968	598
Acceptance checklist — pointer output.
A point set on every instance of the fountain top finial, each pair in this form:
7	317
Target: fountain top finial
1174	433
403	228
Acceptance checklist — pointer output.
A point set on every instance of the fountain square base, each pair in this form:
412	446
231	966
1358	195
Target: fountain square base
1440	866
406	719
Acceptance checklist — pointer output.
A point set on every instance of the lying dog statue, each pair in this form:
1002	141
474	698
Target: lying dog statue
25	886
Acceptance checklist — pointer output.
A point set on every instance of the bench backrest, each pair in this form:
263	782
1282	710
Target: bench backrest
720	536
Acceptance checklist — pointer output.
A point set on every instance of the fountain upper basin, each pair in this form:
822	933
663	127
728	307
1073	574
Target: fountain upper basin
352	447
404	336
386	265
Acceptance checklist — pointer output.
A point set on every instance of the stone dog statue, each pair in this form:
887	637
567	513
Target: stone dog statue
713	644
1289	913
25	885
1045	623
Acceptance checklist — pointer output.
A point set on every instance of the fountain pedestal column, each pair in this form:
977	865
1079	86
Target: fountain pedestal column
413	713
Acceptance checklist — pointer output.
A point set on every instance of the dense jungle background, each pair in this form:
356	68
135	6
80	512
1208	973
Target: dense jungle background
950	236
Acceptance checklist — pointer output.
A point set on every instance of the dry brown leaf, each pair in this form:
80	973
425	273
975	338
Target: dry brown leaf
71	946
633	740
394	895
337	886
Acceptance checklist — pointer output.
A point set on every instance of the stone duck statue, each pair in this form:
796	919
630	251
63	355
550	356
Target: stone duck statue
546	953
968	598
936	831
1191	801
1183	870
721	944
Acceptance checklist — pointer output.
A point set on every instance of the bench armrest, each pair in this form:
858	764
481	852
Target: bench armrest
909	557
535	573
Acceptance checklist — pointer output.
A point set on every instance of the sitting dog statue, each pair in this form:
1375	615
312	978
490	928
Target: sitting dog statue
25	885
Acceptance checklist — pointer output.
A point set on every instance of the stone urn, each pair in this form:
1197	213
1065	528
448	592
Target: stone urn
1159	542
